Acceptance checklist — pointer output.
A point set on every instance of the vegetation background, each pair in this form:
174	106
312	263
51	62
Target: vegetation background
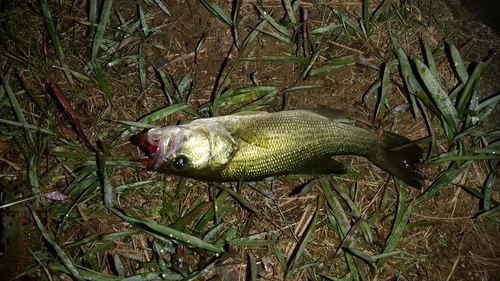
79	77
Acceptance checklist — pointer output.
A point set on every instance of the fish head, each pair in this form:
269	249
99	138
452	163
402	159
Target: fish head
193	150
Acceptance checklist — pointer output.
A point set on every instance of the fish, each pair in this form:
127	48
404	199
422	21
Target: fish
258	145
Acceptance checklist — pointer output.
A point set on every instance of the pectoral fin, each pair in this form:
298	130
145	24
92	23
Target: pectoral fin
252	138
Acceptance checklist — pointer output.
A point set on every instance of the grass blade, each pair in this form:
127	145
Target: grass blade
100	75
234	27
275	24
491	101
165	231
439	96
276	35
307	235
467	92
429	58
458	64
239	198
346	20
290	10
333	64
107	188
60	252
253	266
306	72
243	95
101	28
16	107
403	215
217	11
382	100
411	81
324	29
291	59
162	7
441	182
380	9
49	22
366	14
488	190
27	126
142	65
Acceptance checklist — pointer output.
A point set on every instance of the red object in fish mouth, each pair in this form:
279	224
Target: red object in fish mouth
147	146
146	162
149	149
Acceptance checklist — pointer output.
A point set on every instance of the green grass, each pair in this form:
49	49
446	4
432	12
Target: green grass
116	216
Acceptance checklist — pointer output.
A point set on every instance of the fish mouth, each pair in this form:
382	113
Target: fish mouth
143	142
148	146
158	144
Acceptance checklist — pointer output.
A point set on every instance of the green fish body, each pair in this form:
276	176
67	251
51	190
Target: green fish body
257	145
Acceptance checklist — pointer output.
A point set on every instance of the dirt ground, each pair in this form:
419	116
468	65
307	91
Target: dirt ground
453	246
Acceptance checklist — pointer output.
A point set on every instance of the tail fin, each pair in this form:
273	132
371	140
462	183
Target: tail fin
399	162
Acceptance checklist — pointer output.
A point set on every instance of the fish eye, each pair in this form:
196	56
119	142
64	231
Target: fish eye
181	163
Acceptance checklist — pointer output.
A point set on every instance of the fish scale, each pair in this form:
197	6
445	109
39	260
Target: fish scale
295	144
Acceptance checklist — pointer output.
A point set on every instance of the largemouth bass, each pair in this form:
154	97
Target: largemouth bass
257	145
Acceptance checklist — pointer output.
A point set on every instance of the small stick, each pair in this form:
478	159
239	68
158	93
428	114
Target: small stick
305	17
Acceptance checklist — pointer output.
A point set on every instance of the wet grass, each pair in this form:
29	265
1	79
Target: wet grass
116	223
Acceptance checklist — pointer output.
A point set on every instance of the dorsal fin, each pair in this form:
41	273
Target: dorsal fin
249	113
330	113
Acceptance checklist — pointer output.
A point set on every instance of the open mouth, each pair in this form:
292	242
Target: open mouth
150	148
142	141
168	146
158	144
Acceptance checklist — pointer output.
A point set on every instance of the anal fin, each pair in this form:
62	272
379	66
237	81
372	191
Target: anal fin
329	166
